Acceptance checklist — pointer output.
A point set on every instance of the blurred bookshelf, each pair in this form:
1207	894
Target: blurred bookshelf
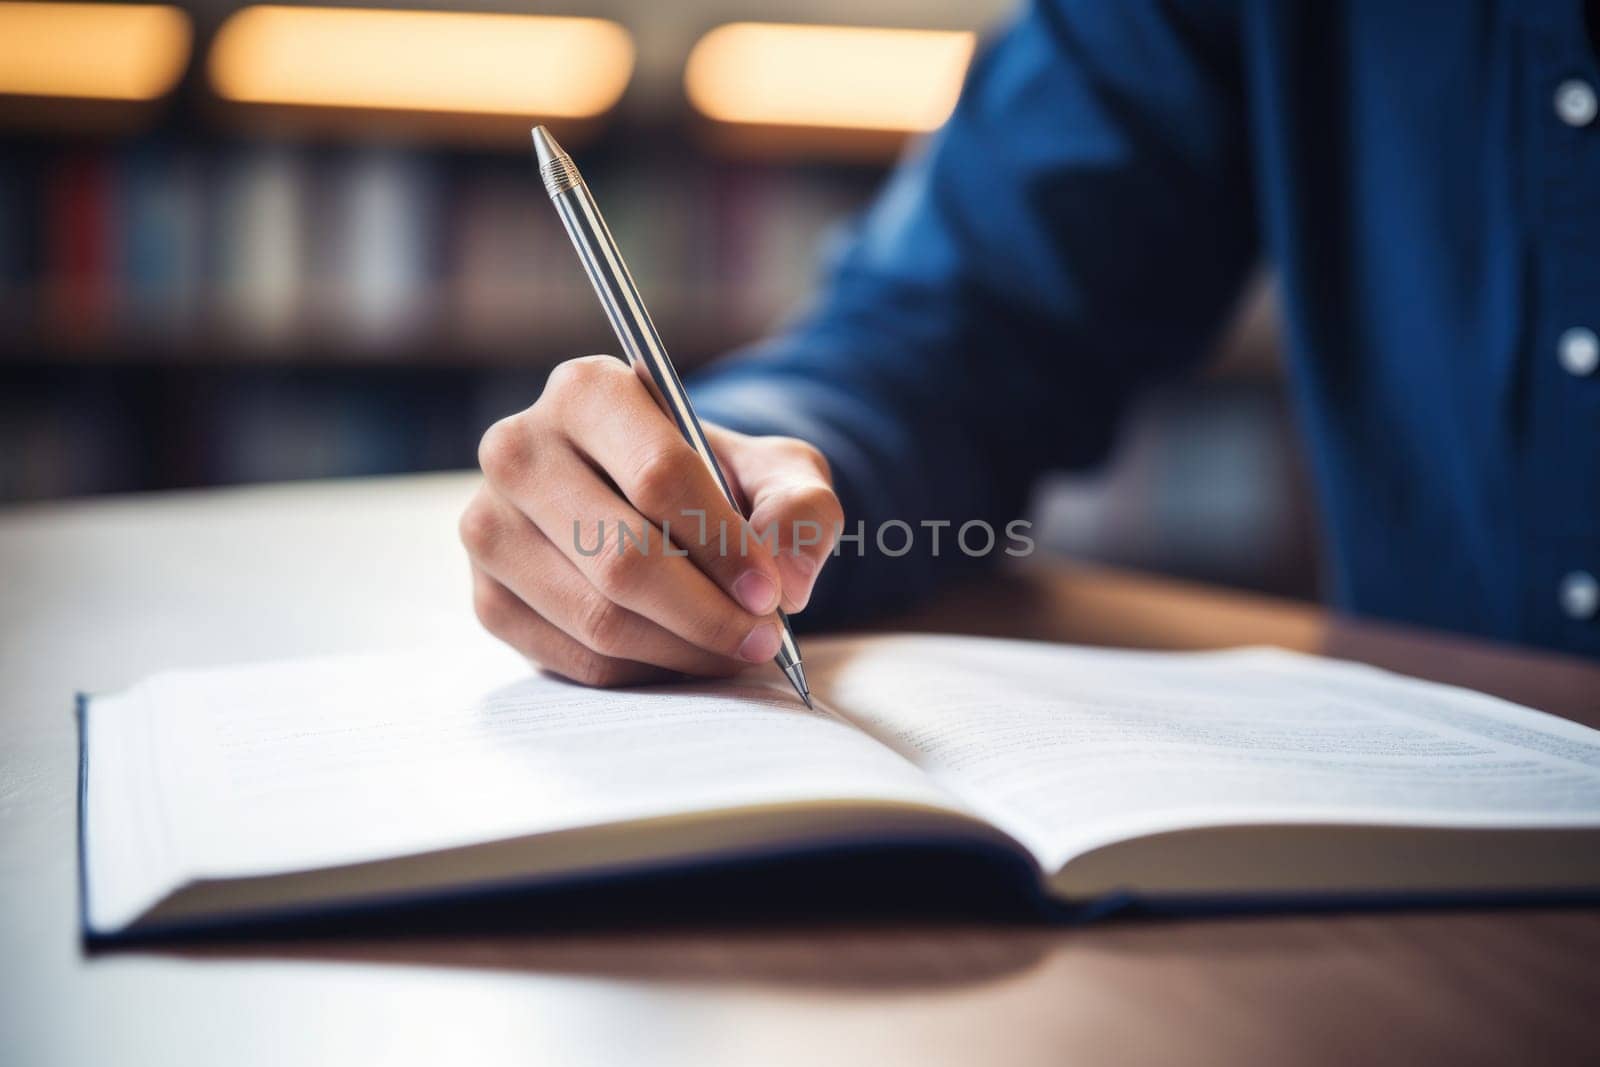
183	251
201	286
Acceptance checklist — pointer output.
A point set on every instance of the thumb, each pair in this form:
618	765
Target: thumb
793	509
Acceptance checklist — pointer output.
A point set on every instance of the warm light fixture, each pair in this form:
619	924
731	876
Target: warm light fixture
848	77
95	51
440	61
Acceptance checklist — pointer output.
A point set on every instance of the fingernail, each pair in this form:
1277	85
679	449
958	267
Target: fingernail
761	644
756	592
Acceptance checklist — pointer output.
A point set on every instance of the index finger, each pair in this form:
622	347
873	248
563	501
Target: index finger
621	430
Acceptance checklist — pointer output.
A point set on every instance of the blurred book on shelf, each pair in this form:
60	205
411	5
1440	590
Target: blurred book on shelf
315	254
210	277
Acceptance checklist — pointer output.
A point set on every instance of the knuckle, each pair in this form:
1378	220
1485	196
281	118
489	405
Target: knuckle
804	504
493	608
505	449
580	376
602	625
816	502
617	574
823	506
479	528
591	668
659	477
566	375
810	453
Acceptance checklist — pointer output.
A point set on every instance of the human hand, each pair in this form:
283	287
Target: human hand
594	452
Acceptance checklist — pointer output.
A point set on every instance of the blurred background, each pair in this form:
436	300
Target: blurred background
257	243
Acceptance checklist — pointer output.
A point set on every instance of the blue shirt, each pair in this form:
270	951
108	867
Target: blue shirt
1424	179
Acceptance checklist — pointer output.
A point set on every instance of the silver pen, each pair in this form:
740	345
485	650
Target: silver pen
602	261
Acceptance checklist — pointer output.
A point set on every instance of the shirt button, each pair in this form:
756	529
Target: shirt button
1580	596
1579	351
1576	103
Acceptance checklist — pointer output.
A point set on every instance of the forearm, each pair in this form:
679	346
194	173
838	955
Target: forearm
1076	231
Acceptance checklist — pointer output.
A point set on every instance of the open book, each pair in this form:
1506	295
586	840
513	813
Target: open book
228	794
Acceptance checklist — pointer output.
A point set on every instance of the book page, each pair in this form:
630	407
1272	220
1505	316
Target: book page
1069	748
314	763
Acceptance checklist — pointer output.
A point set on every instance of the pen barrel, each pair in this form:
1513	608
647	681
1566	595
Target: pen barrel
641	344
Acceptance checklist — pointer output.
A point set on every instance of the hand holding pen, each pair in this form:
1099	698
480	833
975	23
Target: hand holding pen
599	449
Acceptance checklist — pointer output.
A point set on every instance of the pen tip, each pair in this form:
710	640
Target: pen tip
545	147
797	678
807	698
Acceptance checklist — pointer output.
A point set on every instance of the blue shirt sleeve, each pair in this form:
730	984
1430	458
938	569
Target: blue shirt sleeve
1076	230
